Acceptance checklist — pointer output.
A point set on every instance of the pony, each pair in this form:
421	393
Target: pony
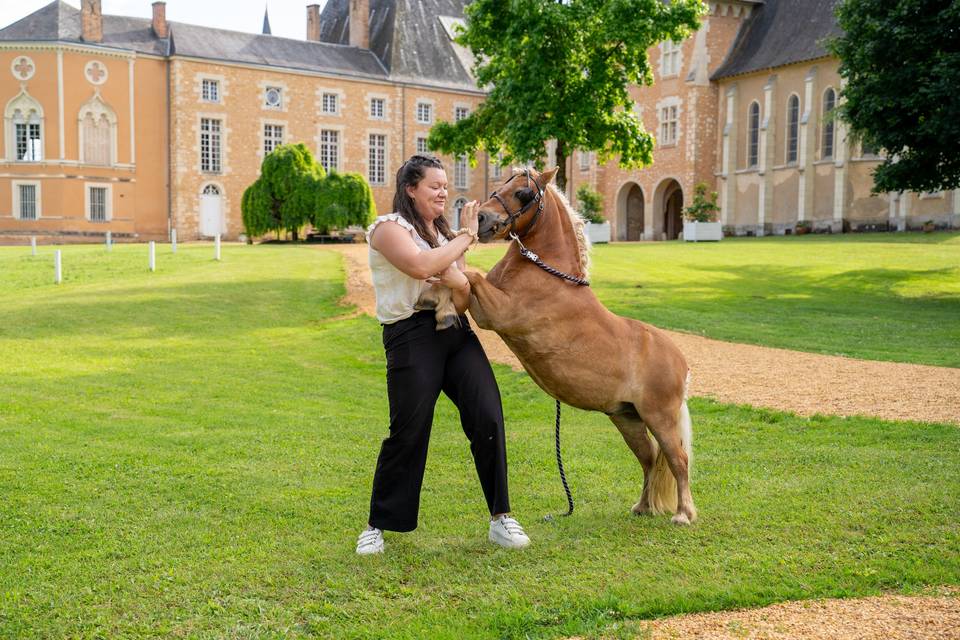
573	347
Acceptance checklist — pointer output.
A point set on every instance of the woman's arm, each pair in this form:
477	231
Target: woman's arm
455	279
396	245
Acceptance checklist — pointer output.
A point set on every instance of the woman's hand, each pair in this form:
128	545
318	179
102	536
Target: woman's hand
468	215
451	277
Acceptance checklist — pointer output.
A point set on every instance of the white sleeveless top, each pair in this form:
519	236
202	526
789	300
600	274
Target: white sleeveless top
396	291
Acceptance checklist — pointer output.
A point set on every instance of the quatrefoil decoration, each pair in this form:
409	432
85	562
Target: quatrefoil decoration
23	68
96	72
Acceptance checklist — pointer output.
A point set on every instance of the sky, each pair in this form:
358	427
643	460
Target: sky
288	18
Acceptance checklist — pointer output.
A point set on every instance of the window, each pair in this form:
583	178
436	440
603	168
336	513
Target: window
272	137
27	206
330	103
584	161
424	113
460	113
866	149
376	108
829	102
378	158
29	143
668	125
210	91
211	190
457	208
753	135
97	204
273	98
460	172
793	127
210	145
669	58
97	139
422	145
329	149
497	168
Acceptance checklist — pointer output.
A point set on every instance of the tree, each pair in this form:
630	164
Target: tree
560	70
284	195
901	63
343	199
591	204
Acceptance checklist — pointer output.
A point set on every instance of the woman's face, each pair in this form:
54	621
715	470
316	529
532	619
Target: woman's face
430	194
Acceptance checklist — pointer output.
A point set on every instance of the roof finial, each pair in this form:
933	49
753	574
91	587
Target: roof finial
266	22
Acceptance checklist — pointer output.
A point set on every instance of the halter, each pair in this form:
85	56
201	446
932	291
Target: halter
512	217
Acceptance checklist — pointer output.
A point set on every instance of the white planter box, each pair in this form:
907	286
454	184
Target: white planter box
597	233
702	231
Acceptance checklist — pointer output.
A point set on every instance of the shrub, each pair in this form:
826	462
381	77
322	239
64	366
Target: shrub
703	209
591	204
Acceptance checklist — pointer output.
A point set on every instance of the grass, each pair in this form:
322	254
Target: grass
875	296
189	453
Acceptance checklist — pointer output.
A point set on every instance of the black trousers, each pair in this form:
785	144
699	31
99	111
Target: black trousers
422	362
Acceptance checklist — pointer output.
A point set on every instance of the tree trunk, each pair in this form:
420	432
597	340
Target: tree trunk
561	158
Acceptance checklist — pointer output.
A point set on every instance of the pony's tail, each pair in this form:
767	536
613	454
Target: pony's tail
662	492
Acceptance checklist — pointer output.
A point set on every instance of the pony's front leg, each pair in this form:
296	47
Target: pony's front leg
489	306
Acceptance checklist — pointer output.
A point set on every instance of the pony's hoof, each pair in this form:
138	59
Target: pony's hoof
640	509
680	519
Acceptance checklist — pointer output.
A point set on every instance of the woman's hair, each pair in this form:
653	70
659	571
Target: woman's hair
410	174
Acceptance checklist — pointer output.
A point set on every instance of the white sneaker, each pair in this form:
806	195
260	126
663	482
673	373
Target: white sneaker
370	542
507	532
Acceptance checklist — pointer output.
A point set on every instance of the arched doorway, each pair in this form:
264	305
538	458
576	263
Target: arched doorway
457	208
211	211
669	200
630	206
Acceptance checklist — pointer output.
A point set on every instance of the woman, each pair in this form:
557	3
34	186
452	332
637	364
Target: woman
409	250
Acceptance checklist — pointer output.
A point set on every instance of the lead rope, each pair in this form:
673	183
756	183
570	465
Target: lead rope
563	476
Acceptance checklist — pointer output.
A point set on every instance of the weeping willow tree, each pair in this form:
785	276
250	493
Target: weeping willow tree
282	198
293	190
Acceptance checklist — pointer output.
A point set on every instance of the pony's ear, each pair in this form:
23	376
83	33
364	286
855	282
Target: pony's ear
548	175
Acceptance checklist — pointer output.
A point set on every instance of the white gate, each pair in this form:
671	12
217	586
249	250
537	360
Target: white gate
211	211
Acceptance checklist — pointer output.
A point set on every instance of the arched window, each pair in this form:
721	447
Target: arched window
753	135
829	103
23	123
793	127
457	208
211	190
98	133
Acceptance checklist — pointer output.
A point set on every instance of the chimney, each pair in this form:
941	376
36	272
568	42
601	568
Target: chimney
313	22
160	26
359	23
91	21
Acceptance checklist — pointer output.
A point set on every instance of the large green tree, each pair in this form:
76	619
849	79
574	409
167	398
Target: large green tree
293	189
901	63
561	70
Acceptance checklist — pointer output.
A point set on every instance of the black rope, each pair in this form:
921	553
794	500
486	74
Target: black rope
563	476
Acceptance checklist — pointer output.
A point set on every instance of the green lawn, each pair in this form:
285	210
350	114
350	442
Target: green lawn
875	296
189	453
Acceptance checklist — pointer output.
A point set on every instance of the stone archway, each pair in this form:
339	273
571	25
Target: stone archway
668	218
630	212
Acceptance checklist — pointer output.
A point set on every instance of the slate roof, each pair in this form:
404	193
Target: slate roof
409	38
781	32
60	22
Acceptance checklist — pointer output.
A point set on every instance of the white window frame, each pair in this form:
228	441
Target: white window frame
585	160
88	187
461	112
266	92
15	188
422	146
461	173
377	167
272	137
669	114
214	168
377	103
424	112
336	103
323	147
205	94
496	168
670	62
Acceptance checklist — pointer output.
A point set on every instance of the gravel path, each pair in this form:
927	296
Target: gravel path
804	383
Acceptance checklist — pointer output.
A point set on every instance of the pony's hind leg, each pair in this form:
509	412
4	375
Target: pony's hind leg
673	433
634	433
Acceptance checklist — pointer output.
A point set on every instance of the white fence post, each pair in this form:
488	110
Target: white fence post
216	248
33	245
109	240
153	256
173	240
57	268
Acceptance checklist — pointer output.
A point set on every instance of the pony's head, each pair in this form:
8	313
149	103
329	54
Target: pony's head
515	205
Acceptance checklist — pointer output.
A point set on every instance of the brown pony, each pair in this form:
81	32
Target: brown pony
573	347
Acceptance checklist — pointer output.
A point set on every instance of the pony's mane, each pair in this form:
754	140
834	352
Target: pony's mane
583	243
